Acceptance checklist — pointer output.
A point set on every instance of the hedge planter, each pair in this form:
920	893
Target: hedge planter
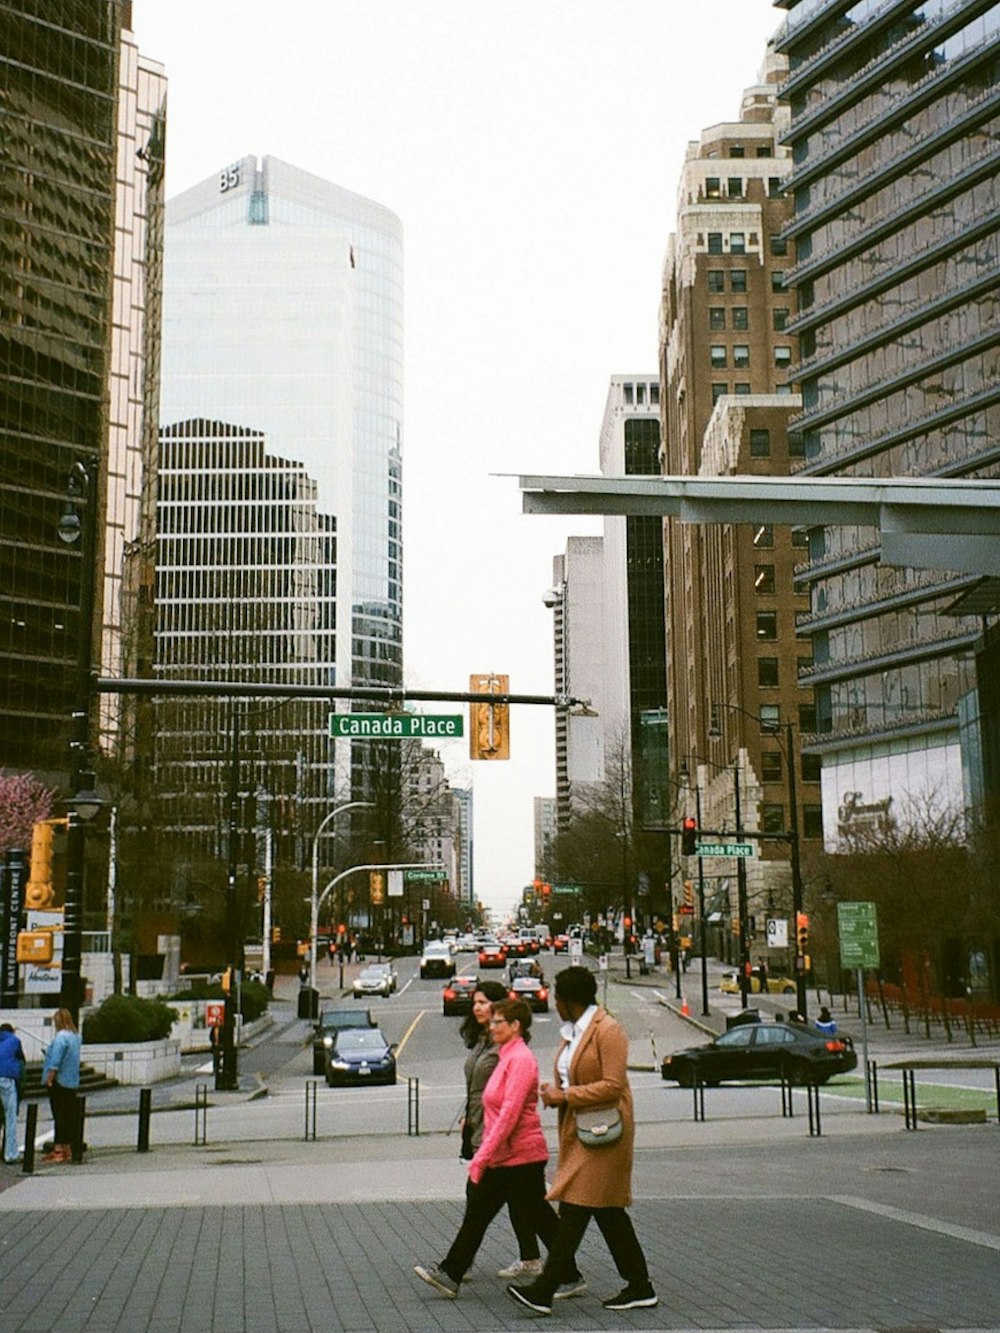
135	1063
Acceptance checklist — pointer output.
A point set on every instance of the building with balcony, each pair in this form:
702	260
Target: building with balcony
893	123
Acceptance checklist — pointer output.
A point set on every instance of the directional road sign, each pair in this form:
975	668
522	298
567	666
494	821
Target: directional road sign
724	849
858	924
396	726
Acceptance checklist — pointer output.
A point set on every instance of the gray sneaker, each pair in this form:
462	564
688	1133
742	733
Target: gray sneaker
567	1290
436	1277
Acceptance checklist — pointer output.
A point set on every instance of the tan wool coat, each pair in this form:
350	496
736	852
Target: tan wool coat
596	1177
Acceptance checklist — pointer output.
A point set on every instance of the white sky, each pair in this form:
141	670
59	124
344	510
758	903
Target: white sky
532	149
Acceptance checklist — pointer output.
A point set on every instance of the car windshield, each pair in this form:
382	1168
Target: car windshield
372	974
436	948
360	1042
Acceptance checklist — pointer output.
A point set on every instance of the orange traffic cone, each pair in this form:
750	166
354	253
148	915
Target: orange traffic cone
685	1011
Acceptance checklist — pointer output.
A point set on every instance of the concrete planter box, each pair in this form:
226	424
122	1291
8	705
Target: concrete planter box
135	1063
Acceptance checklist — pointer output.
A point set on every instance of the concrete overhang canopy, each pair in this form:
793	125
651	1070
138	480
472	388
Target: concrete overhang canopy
924	522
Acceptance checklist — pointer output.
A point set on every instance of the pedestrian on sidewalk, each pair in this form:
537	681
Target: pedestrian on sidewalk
590	1182
11	1076
826	1023
61	1075
508	1166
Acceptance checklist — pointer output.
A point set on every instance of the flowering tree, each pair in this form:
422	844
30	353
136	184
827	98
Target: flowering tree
23	801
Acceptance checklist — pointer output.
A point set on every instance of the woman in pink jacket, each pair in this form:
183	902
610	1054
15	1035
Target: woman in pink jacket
508	1167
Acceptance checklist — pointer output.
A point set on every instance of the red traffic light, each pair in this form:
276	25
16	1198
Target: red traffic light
689	836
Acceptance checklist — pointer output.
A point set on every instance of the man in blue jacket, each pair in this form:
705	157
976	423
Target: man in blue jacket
11	1073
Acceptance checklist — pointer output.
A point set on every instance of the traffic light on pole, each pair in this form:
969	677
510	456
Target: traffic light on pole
689	836
801	933
489	723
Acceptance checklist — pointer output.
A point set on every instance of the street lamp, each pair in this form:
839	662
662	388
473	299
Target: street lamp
314	902
791	835
77	524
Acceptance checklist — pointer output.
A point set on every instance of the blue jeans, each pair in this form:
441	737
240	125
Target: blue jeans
8	1096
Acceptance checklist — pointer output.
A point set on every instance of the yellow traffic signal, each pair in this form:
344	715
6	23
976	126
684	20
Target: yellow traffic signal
38	893
376	886
801	933
489	723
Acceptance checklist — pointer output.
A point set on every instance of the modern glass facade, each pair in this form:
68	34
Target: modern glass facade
895	113
283	319
78	267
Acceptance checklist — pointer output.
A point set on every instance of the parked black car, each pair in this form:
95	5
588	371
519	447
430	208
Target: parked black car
360	1055
760	1051
332	1021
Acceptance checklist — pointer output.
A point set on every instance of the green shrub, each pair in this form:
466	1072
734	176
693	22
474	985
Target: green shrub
125	1018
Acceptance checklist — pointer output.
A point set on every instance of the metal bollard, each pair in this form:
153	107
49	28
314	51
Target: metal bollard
30	1130
145	1111
200	1114
873	1087
413	1107
310	1134
812	1095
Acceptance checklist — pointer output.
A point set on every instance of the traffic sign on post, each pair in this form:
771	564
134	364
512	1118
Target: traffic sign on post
858	924
725	849
396	726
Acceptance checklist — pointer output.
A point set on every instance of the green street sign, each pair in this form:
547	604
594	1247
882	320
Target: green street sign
424	876
724	849
396	726
858	923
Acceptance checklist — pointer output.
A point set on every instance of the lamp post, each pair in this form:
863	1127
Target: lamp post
685	778
791	834
314	902
77	524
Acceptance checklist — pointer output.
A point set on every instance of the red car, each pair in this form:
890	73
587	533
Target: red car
492	955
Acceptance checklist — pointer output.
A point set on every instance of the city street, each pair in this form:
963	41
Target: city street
261	1229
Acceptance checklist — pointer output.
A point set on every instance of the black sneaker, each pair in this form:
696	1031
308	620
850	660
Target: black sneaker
632	1298
531	1298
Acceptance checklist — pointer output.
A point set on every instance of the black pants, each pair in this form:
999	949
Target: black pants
619	1233
64	1114
522	1189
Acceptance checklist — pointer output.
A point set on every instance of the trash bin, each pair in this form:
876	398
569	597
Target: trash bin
744	1016
309	1003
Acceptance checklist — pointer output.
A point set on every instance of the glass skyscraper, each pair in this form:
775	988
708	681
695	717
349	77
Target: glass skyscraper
283	323
895	111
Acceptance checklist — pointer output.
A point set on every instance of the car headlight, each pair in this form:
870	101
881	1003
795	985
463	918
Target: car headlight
328	1041
342	1065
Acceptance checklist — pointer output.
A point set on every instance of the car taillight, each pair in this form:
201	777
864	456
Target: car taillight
543	994
835	1046
512	995
449	994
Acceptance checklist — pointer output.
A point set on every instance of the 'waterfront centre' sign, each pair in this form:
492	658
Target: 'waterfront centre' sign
396	726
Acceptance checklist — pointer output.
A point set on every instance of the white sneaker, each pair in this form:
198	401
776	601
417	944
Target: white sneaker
533	1266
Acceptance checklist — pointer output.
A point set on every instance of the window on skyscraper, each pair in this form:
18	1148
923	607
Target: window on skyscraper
715	242
767	672
737	243
760	443
741	356
763	578
717	317
741	317
716	281
738	280
717	352
767	625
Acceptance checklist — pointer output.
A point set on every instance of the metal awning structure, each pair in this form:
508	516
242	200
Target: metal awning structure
924	522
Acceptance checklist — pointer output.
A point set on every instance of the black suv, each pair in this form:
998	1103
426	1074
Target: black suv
332	1021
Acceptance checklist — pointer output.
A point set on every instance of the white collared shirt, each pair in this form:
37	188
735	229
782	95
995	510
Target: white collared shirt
571	1034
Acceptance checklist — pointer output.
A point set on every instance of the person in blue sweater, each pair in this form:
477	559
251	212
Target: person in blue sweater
11	1073
61	1075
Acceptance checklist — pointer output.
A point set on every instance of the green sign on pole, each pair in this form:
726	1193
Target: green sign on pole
396	726
424	876
858	923
724	849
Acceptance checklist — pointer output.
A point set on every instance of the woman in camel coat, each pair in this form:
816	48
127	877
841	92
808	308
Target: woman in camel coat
590	1072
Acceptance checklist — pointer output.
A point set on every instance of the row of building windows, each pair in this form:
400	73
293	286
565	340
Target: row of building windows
736	187
738	317
768	670
638	393
716	280
743	387
719	354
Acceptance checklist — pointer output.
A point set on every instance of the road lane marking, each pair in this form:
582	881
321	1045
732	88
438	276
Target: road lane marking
407	1034
921	1220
